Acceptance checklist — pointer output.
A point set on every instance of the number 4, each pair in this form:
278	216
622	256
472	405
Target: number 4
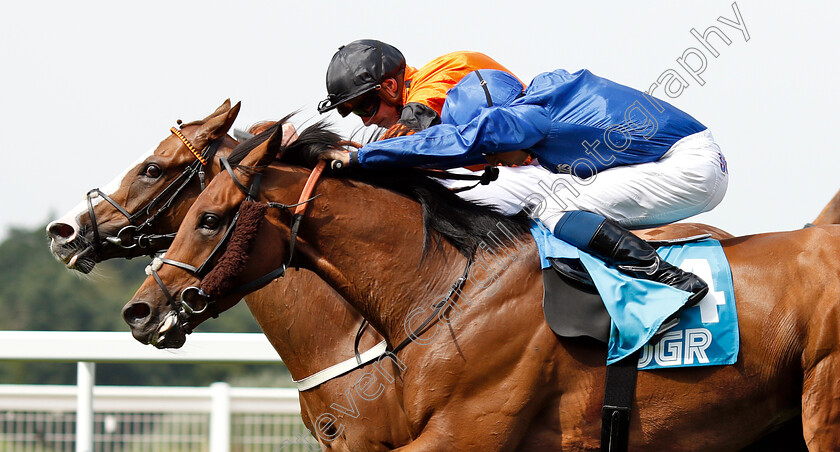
708	305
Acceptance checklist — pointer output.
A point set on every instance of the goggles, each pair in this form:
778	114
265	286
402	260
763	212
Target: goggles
364	105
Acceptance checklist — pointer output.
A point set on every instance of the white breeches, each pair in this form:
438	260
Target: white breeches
691	178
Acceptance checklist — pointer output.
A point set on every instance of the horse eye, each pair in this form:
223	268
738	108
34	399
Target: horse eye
152	171
209	221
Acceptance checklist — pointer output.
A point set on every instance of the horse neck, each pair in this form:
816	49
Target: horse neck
831	213
307	322
367	243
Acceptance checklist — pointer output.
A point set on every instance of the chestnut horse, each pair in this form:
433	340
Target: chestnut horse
159	174
146	201
488	374
305	349
830	213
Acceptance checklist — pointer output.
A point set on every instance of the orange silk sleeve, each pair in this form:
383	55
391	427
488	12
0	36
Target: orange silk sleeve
429	84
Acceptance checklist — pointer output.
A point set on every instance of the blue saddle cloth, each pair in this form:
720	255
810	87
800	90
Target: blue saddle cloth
707	333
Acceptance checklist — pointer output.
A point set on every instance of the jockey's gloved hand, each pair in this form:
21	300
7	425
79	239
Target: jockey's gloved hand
337	158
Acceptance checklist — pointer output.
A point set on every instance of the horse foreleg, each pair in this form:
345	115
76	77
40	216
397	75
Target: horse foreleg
466	430
788	438
821	405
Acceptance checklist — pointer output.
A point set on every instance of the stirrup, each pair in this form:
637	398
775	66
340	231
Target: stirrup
674	319
666	326
695	298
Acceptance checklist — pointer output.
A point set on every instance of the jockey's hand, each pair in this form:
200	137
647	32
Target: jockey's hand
289	134
350	143
336	155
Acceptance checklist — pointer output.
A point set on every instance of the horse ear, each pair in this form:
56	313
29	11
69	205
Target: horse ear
275	143
262	155
217	126
222	109
230	117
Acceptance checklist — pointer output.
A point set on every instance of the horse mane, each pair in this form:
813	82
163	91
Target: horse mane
464	224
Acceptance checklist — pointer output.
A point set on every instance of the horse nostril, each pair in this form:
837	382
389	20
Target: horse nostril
61	231
136	312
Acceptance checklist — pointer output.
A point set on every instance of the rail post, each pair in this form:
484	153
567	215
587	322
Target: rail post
85	378
220	417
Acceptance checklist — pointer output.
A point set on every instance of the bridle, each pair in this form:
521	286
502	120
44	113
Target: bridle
193	300
184	306
128	237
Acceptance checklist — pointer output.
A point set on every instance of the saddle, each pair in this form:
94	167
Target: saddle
573	308
571	303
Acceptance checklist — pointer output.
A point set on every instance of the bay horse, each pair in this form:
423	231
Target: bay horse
487	373
157	204
305	350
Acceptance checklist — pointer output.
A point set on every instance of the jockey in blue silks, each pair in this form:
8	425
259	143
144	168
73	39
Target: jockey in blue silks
620	155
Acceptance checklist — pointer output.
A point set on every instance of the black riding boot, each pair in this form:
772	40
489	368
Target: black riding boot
637	258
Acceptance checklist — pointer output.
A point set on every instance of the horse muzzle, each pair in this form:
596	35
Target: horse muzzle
170	332
78	255
162	331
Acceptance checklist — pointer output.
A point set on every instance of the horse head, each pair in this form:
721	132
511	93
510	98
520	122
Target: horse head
208	267
148	200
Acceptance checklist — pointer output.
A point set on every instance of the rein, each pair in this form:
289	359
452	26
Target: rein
380	349
490	174
456	286
126	238
183	304
184	307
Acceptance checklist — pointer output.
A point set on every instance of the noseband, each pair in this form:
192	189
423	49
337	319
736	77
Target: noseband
182	305
183	309
128	237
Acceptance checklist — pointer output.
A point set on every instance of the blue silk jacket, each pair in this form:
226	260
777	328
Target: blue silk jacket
573	123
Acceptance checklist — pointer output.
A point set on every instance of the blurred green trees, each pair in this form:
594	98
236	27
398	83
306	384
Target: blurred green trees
38	293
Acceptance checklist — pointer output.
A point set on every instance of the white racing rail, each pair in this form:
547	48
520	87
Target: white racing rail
88	348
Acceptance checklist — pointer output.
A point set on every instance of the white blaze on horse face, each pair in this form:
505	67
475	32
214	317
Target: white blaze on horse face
71	218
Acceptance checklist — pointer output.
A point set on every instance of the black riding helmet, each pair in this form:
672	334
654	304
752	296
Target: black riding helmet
358	68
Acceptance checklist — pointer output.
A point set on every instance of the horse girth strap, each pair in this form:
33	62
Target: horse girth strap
619	388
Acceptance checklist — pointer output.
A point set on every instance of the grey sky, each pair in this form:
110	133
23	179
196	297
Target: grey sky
85	87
